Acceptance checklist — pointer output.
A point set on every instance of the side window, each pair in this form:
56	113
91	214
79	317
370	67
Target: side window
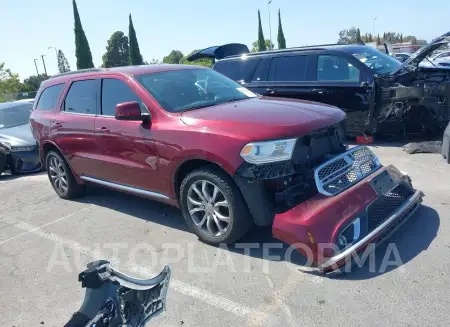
237	70
335	68
81	98
115	91
49	97
289	68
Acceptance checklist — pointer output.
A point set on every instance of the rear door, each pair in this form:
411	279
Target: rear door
128	154
73	128
290	77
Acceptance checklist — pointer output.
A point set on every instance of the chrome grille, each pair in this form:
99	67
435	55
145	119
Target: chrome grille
383	206
345	170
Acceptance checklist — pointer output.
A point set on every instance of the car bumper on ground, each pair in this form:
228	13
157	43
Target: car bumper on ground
314	226
24	162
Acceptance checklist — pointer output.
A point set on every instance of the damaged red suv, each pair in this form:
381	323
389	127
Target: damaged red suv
229	159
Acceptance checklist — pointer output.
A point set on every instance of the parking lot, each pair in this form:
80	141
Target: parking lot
45	242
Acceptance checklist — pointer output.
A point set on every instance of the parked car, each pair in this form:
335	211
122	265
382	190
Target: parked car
378	93
229	159
402	56
18	150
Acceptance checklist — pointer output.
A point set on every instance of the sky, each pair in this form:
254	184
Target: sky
29	27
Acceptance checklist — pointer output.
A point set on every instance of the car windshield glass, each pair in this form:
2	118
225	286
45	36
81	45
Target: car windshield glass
14	115
379	62
190	89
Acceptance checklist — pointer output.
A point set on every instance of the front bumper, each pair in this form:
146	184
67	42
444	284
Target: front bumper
317	223
24	162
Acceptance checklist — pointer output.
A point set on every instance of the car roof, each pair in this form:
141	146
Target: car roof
335	47
125	70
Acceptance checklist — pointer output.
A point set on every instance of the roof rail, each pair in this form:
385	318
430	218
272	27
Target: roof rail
74	72
306	47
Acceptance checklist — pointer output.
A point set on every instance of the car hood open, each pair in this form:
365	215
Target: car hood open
423	52
264	118
219	52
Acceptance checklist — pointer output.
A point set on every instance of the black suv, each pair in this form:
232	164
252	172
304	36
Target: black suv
378	93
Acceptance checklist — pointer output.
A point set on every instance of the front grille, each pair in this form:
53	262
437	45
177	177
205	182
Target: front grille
345	170
385	205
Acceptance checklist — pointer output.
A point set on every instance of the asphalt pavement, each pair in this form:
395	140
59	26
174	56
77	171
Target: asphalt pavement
46	241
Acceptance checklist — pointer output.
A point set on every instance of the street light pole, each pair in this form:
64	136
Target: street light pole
270	26
56	54
35	65
43	62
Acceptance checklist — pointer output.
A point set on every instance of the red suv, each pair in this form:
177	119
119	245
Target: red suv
229	159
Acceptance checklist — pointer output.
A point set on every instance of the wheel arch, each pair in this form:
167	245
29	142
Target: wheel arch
49	146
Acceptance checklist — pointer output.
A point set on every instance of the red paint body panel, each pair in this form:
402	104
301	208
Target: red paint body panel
323	216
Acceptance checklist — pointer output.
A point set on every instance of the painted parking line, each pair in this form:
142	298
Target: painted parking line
177	285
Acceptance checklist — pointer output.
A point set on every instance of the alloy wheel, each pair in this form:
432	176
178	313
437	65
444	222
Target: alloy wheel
58	174
208	208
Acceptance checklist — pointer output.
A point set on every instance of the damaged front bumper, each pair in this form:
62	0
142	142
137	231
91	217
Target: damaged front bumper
329	228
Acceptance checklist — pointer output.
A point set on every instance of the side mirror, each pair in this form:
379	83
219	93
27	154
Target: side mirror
129	111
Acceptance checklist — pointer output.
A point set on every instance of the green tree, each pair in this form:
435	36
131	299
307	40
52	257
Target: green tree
174	57
63	64
348	36
117	51
255	45
358	36
280	38
135	54
82	49
401	38
261	40
32	83
9	84
206	62
378	39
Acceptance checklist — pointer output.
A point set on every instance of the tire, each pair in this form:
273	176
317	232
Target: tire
68	190
240	220
2	162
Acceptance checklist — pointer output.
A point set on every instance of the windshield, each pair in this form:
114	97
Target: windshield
379	62
14	115
190	89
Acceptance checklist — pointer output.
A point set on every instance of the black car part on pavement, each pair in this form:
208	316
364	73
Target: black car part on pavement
113	299
404	99
446	144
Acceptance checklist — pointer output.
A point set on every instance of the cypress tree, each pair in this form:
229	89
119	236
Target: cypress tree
358	36
82	50
261	40
135	53
280	38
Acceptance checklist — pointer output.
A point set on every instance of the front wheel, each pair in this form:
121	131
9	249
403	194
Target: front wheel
61	176
213	207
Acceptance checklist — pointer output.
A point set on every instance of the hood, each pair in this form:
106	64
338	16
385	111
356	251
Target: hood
219	52
18	135
420	54
264	118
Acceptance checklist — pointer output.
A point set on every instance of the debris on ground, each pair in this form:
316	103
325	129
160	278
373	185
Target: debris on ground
423	147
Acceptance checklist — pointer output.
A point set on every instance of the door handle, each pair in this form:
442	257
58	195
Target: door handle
56	124
270	91
103	130
318	91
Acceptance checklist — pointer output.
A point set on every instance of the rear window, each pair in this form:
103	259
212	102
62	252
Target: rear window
289	68
238	70
49	97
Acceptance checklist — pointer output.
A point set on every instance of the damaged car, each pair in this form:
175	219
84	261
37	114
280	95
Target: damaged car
379	94
18	148
228	158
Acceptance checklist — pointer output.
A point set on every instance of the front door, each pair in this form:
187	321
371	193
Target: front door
127	150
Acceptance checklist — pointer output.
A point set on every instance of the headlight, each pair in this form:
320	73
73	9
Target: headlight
268	151
23	148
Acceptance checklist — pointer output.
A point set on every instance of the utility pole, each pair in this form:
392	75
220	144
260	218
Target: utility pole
35	65
43	62
270	26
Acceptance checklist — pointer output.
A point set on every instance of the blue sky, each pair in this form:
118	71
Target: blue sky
30	26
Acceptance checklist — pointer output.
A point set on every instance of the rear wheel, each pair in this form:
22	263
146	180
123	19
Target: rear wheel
61	176
213	207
